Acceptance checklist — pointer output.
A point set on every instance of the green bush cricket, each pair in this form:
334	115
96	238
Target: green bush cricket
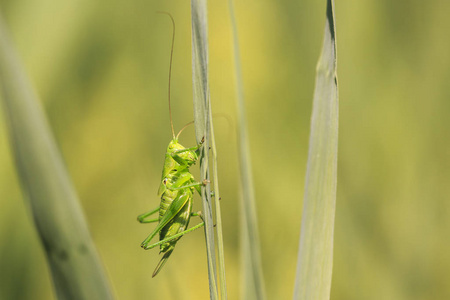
176	191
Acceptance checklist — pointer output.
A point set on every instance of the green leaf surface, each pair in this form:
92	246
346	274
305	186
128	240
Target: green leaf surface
75	266
203	126
252	273
315	256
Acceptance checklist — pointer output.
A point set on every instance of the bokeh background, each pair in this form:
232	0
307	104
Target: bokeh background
101	68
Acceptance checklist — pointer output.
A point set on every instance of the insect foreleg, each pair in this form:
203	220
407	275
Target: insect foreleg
142	218
199	189
195	184
175	152
182	179
147	247
181	160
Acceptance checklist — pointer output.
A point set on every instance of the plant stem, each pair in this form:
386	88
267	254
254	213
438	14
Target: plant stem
202	126
253	280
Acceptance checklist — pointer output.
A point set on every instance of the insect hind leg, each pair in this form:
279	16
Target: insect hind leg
142	218
147	247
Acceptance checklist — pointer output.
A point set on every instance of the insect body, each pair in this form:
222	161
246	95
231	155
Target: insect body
176	191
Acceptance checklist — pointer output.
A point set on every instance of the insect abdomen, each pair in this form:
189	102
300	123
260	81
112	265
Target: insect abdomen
166	199
179	223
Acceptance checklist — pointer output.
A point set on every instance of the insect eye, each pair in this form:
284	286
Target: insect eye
165	181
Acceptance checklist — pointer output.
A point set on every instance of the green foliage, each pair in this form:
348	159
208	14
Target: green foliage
75	268
100	69
252	283
202	111
315	256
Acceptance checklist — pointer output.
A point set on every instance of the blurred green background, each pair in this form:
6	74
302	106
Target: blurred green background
101	69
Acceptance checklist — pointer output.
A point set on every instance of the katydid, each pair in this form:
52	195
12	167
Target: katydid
176	192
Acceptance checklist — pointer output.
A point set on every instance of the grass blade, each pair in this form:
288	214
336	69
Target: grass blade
75	267
252	274
315	256
202	126
220	251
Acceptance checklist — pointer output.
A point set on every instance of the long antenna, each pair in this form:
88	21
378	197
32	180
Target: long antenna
190	123
170	68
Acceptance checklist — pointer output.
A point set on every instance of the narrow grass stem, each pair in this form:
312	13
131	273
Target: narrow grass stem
253	286
220	251
202	126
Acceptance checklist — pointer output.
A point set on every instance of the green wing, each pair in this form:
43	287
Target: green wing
171	212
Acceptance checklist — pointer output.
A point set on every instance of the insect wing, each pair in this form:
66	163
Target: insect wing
171	212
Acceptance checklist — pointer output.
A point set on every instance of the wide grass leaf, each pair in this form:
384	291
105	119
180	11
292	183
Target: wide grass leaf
315	256
75	267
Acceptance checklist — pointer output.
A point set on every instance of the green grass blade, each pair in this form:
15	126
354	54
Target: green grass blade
252	274
220	251
315	256
75	267
202	125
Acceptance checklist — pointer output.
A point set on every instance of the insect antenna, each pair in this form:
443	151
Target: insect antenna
170	67
222	115
184	127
